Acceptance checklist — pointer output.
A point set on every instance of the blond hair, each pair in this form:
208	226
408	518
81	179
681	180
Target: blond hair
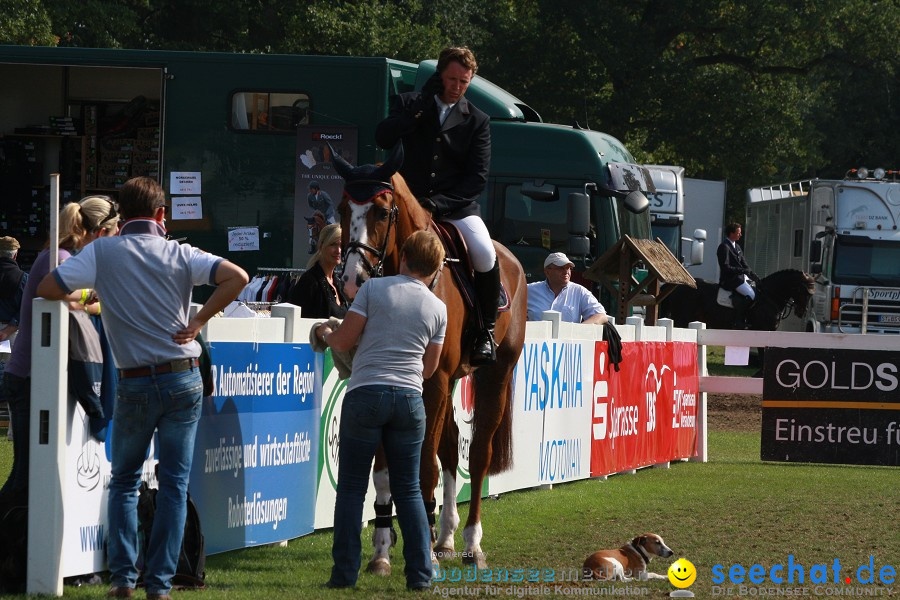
424	253
78	220
327	236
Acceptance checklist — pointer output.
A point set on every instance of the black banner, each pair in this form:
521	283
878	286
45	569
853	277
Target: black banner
831	406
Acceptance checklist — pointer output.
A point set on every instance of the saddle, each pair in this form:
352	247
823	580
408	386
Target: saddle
461	266
723	298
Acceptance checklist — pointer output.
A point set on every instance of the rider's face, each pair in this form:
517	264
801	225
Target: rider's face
456	79
736	235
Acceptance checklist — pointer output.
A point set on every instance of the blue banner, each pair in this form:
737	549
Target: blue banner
254	473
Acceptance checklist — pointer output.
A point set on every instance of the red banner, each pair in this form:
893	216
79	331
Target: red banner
646	413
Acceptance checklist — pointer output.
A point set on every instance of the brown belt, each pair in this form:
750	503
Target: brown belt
176	366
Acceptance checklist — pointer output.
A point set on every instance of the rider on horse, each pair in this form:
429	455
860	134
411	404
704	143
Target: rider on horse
447	144
734	273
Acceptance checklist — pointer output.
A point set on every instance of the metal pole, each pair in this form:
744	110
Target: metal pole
54	220
864	322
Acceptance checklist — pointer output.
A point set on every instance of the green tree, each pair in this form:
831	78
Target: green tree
26	23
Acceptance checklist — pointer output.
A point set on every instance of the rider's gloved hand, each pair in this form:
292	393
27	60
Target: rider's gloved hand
753	276
429	205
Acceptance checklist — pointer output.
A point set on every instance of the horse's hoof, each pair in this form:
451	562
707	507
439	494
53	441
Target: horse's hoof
444	552
476	559
379	566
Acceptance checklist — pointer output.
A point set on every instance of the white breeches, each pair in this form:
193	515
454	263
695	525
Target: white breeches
478	240
745	290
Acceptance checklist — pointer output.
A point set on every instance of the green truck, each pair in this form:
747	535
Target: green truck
223	129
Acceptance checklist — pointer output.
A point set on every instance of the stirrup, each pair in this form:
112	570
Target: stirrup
480	354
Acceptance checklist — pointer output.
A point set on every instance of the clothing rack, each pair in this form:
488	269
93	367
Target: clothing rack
263	270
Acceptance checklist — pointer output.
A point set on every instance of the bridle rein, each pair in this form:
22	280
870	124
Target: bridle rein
384	187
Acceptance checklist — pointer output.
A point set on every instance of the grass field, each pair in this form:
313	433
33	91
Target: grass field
733	510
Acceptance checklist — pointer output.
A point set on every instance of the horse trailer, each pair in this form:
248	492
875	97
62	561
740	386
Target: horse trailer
235	139
843	232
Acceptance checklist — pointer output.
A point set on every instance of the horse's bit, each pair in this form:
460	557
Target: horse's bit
377	269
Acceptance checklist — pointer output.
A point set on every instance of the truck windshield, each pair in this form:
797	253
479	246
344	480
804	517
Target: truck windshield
864	261
670	234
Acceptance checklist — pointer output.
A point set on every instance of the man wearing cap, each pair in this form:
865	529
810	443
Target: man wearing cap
12	284
557	292
146	282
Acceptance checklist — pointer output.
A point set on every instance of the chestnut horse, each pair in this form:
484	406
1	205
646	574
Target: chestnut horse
378	212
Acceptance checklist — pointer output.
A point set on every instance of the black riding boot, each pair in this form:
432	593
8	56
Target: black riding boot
741	304
487	293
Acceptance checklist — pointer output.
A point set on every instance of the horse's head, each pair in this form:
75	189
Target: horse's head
789	289
368	214
803	291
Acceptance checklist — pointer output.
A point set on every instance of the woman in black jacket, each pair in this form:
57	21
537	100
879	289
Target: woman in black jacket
315	292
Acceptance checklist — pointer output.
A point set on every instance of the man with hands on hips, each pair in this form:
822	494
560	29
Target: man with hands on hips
145	282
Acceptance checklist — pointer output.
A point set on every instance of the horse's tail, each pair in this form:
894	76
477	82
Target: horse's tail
501	442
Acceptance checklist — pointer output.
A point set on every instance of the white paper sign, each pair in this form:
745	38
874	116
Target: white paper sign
738	356
184	182
187	207
243	238
5	347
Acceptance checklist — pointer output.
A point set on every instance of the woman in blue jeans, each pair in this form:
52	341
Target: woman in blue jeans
400	327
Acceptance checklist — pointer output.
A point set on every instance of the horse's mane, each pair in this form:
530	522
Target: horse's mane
419	218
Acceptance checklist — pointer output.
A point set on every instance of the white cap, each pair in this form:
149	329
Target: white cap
559	259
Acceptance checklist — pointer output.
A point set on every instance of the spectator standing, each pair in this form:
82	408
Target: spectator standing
80	223
316	292
145	282
400	326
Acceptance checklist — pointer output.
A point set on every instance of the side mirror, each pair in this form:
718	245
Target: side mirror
815	268
697	248
815	252
578	217
636	202
579	246
700	234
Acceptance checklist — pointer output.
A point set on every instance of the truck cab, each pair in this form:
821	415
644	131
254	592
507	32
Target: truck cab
667	215
844	232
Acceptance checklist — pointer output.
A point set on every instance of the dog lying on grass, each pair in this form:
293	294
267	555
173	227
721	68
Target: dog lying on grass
630	562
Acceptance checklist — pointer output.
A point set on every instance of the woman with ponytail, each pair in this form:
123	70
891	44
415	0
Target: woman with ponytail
80	223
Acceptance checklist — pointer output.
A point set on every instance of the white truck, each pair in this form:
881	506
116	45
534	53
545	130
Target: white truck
682	204
844	232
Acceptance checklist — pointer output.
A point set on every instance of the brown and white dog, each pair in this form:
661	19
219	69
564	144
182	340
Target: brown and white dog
629	562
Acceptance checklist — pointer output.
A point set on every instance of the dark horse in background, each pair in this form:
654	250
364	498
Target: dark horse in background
378	213
776	295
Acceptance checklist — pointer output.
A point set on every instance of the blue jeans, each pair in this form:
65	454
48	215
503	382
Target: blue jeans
169	403
394	417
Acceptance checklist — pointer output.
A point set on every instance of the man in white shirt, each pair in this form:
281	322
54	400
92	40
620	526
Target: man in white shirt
576	303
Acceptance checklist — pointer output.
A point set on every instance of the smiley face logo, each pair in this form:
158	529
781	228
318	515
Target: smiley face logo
682	573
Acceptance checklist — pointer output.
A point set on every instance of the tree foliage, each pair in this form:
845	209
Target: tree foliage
751	92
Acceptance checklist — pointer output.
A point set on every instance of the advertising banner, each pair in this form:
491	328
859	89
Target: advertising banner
551	415
831	406
88	472
646	413
254	472
317	186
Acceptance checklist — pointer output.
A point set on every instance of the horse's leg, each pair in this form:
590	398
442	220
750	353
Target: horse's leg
448	451
384	536
436	394
492	386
